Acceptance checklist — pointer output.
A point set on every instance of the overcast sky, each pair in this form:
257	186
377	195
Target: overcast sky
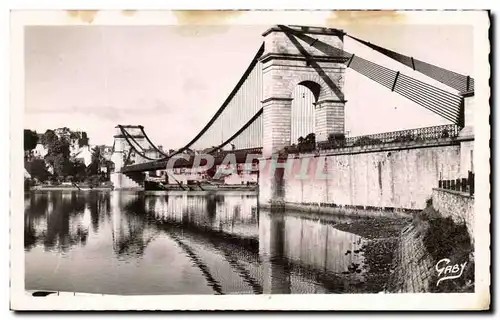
172	79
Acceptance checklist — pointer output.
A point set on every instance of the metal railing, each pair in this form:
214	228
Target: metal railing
411	135
463	185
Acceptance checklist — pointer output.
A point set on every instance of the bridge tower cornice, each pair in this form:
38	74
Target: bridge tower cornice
271	56
308	30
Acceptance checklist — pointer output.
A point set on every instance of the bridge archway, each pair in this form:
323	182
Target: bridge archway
304	95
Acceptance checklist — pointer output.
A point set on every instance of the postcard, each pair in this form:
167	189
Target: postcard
250	160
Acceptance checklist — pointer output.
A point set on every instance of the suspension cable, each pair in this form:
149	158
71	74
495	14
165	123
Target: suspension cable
245	126
151	143
126	135
254	62
444	103
450	78
138	145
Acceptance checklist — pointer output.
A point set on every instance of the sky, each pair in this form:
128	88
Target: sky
172	79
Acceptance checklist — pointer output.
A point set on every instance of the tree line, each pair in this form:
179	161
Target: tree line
65	166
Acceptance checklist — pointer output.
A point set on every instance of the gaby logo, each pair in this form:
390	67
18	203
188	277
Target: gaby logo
447	271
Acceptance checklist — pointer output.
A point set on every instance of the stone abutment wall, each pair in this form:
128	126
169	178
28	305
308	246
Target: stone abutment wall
455	204
365	178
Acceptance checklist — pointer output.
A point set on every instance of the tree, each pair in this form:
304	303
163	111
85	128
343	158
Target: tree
37	169
366	141
79	137
28	183
65	134
333	137
78	171
110	166
307	144
61	164
84	140
96	162
93	180
58	153
335	140
30	140
310	139
48	138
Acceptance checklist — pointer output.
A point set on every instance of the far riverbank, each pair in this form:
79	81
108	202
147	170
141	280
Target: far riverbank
69	188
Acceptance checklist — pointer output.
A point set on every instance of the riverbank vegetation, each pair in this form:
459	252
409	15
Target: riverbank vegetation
445	238
59	164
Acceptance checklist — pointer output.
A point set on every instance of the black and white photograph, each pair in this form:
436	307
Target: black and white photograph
251	155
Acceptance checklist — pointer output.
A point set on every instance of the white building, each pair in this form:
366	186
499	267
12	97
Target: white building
40	151
84	154
77	152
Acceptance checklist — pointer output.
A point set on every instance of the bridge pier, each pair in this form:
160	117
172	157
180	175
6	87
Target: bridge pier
128	181
275	269
272	185
121	150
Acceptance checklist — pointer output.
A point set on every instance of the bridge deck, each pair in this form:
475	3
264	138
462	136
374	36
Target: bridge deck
240	156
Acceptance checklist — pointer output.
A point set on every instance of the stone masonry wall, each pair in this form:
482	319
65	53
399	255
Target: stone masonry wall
277	124
413	265
122	182
384	179
455	204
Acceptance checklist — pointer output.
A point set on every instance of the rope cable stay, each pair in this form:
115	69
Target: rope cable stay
441	102
457	81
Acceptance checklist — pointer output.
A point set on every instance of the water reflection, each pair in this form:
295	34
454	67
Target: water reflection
161	242
56	220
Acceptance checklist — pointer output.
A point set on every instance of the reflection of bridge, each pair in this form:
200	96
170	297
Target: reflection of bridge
229	243
293	89
282	255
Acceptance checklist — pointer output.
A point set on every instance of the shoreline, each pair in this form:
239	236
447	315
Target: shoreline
209	189
344	210
382	237
56	188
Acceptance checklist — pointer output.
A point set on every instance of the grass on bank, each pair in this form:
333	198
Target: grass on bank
445	238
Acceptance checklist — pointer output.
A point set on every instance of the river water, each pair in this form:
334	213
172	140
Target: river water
132	243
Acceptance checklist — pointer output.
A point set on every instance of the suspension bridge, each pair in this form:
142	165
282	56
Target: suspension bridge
257	117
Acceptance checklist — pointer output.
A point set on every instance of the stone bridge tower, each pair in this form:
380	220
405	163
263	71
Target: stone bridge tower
289	61
121	152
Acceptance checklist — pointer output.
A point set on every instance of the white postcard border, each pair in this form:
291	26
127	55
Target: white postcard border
479	300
